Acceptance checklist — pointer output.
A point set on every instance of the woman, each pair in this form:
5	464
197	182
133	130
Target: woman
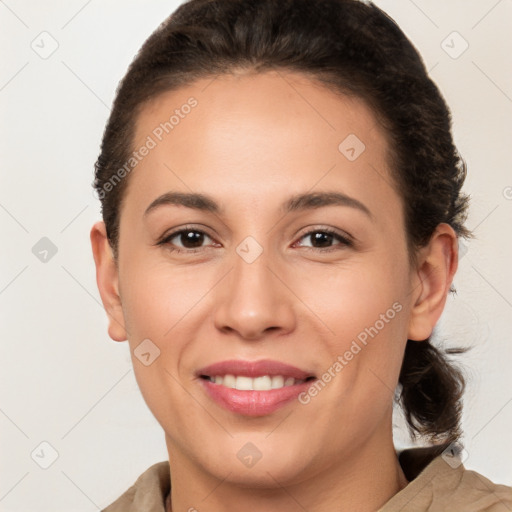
282	202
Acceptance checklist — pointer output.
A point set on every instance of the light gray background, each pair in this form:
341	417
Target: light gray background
62	380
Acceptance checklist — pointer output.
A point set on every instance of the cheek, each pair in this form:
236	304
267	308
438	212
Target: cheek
158	297
364	308
158	303
351	298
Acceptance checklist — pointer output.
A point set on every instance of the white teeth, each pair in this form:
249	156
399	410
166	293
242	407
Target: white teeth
229	381
263	383
277	382
243	383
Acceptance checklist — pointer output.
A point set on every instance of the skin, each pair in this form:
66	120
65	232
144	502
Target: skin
253	141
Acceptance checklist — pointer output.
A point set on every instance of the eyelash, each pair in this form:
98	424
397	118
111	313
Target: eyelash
345	240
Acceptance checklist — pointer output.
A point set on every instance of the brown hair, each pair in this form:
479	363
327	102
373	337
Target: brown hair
352	48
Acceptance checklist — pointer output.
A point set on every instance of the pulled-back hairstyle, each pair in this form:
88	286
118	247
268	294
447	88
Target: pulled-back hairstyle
352	48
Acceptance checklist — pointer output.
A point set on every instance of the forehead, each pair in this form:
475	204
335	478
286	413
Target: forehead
247	135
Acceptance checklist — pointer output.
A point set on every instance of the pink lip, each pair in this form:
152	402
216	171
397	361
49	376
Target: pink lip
253	403
254	369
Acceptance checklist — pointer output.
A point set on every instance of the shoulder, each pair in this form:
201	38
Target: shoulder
148	493
444	480
482	494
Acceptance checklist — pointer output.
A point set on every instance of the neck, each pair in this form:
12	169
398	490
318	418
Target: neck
360	481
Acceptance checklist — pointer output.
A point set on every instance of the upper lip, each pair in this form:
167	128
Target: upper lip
253	369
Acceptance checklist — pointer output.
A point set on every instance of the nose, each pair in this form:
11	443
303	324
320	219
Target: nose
253	300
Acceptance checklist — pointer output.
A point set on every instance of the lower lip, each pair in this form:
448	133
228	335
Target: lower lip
253	403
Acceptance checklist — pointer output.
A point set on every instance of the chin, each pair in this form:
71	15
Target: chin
263	475
253	461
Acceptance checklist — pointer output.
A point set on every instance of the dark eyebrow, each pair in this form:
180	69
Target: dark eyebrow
296	203
196	201
319	199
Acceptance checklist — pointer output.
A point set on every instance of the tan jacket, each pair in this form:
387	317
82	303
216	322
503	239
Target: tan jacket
436	484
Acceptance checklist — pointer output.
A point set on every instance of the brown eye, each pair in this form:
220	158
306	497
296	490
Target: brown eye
185	240
320	239
325	239
191	239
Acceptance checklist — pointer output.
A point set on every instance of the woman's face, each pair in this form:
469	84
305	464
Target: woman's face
319	291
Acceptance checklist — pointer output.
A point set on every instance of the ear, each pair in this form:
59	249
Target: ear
436	265
107	278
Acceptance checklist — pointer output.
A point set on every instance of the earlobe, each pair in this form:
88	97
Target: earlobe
107	278
437	264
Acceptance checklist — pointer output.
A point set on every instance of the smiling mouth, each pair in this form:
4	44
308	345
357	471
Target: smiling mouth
260	383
